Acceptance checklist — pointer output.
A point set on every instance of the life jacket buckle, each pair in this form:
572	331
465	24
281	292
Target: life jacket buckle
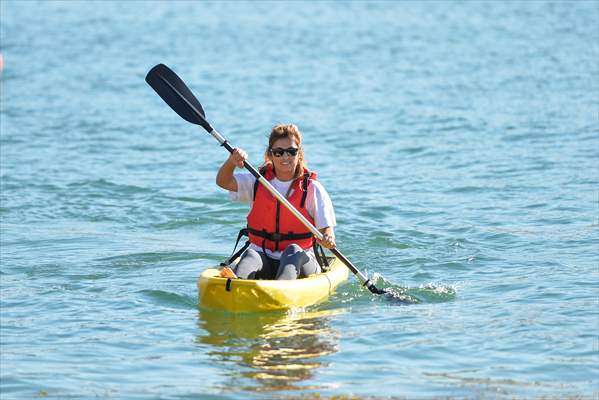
276	237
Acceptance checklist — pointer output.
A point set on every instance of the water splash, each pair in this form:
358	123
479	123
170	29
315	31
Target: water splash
428	293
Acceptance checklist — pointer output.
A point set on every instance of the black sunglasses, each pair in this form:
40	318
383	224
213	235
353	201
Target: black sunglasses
278	152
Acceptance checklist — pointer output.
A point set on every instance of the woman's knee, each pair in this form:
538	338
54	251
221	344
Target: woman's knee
287	272
289	265
309	268
248	265
296	263
291	249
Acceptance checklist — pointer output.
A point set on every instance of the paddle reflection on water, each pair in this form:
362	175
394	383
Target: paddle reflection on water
272	352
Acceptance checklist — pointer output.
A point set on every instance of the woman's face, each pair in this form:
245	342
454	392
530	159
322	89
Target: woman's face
284	164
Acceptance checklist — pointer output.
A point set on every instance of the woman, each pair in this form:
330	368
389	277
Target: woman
281	247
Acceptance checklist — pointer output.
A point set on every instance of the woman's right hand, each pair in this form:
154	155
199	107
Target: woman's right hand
225	177
237	157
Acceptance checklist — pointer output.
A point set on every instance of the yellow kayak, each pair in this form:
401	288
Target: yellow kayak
245	295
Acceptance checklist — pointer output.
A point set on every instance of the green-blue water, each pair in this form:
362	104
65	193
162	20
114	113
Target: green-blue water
459	142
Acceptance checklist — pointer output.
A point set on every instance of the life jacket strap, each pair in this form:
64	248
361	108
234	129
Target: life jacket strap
306	182
321	258
243	232
279	237
257	182
305	189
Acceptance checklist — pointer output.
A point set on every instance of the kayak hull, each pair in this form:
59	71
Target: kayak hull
245	295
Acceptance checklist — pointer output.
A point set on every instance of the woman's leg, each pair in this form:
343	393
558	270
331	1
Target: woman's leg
251	262
295	263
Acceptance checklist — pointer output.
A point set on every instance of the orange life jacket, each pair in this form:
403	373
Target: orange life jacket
270	225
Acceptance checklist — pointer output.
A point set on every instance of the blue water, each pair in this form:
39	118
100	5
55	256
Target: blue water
459	142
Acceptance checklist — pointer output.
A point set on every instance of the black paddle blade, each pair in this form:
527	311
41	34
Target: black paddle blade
177	95
373	289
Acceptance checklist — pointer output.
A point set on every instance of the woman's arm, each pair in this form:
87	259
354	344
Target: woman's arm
320	207
225	178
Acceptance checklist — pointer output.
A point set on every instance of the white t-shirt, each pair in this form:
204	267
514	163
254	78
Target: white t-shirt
318	202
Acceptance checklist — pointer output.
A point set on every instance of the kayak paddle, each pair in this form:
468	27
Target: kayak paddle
178	96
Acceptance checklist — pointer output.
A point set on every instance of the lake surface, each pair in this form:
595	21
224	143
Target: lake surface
459	142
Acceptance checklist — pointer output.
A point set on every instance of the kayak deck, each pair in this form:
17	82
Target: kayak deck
245	295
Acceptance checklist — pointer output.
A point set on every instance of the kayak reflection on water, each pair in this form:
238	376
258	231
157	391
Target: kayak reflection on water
274	352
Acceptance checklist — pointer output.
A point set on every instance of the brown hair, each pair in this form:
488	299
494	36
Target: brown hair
292	132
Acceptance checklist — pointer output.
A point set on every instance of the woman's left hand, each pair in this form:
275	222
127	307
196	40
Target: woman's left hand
328	239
